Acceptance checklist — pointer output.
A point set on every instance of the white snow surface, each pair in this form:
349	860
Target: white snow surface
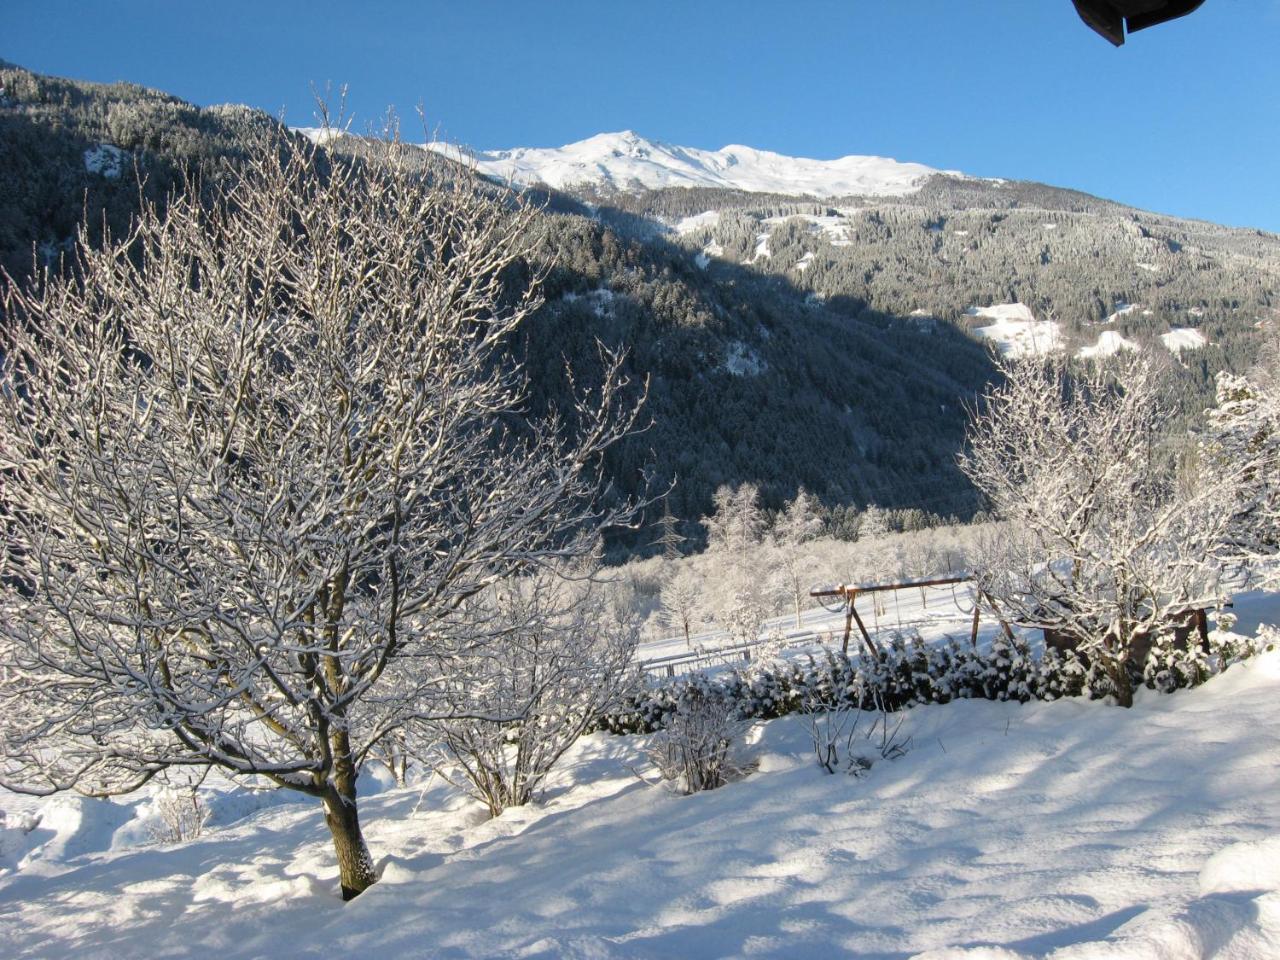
834	227
627	160
106	160
1183	338
1121	310
742	361
1066	830
1110	342
699	221
1016	332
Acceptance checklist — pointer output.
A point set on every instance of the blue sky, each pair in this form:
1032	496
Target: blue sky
1184	119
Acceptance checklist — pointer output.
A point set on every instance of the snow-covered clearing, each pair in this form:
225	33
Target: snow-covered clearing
1109	343
762	251
106	160
834	228
1016	332
600	299
1121	310
1183	338
699	221
742	361
1067	829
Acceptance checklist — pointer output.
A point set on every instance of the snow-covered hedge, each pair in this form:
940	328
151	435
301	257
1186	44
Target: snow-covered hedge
912	672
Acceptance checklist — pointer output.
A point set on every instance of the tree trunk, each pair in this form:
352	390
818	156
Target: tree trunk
1118	671
355	866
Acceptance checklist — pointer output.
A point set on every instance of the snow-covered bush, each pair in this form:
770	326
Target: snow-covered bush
565	659
694	746
1109	538
1169	667
180	815
910	673
841	740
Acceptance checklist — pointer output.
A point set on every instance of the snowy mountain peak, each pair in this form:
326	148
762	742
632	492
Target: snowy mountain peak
626	160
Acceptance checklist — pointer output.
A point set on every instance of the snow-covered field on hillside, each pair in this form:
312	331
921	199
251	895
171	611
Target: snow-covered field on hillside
1110	342
1068	829
1016	332
1183	338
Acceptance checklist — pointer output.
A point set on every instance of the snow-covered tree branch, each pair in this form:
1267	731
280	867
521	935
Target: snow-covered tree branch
1110	535
256	456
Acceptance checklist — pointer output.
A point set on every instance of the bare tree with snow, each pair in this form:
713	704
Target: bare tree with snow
681	599
739	594
737	523
1244	436
798	526
1105	542
256	457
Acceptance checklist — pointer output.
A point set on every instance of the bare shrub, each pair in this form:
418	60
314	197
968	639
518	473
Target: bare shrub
180	815
842	741
694	747
566	658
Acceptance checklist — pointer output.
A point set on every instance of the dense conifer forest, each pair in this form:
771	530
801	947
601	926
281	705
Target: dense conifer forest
787	342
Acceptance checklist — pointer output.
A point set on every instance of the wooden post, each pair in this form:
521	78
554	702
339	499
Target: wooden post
875	651
973	634
850	594
1004	624
848	626
1202	627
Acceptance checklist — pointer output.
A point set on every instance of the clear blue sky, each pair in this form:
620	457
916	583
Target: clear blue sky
1184	119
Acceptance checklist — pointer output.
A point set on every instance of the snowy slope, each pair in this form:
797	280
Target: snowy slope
626	160
1016	332
1183	338
1109	343
1067	830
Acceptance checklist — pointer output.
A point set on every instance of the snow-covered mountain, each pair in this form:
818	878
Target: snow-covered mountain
626	161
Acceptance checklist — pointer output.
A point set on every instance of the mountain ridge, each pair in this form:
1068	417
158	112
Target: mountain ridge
626	160
787	340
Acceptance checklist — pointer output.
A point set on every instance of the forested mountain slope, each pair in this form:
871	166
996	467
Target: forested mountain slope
787	340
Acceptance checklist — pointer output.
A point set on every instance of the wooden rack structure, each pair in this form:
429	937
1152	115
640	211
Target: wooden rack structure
849	594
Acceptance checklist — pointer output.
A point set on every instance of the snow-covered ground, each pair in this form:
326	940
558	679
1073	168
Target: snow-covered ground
106	160
1016	332
1183	338
699	221
1122	309
835	228
625	160
1066	829
1110	342
1070	829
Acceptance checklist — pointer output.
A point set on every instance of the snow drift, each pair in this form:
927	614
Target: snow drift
1066	829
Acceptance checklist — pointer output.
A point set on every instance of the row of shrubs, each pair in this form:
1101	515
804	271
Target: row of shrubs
911	672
